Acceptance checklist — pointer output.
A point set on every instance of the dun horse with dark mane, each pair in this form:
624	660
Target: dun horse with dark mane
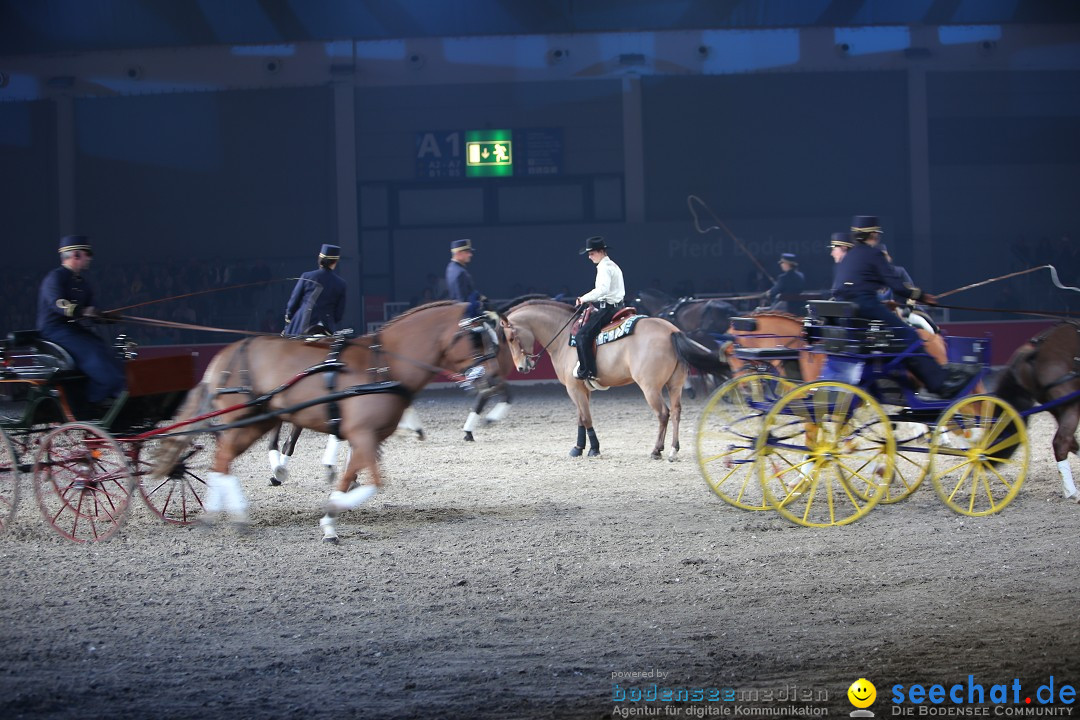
655	355
404	356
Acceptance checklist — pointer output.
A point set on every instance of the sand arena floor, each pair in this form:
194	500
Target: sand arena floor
504	579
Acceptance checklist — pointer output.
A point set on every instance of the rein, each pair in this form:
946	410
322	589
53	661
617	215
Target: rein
199	292
531	356
1037	313
178	325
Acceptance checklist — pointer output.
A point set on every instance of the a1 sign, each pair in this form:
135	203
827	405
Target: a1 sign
438	155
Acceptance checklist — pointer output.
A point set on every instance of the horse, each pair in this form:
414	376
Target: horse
285	379
281	453
1044	370
707	316
655	355
706	321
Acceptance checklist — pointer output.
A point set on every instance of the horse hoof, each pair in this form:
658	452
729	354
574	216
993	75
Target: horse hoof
331	475
420	435
594	452
655	455
673	457
332	540
281	474
576	451
274	482
468	436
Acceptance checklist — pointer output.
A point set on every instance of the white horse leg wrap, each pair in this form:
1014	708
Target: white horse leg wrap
329	527
410	420
329	456
470	422
353	499
229	492
1067	485
275	459
498	412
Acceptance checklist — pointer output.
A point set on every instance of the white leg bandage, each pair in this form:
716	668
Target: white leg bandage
329	527
275	459
341	501
410	420
498	412
231	495
1067	485
329	456
470	422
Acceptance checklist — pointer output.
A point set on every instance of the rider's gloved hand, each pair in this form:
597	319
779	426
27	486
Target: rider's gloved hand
90	312
928	299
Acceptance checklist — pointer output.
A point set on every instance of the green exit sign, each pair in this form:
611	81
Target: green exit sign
488	153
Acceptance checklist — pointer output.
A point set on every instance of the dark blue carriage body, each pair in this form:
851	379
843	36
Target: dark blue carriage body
866	353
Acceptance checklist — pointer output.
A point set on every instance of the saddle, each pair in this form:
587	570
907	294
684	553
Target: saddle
615	319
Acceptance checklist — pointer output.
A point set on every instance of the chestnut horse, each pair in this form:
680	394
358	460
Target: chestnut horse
253	375
654	356
1040	372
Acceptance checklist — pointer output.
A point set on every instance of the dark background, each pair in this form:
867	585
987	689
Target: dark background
201	144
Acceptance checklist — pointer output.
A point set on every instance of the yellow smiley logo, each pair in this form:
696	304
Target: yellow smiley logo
862	693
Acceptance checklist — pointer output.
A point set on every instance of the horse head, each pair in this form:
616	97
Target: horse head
517	339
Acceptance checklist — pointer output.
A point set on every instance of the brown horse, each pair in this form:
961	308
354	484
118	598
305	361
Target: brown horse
407	353
654	356
1040	372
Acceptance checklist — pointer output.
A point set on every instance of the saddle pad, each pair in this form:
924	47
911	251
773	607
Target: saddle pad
615	331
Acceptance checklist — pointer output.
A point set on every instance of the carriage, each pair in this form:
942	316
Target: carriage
826	452
85	472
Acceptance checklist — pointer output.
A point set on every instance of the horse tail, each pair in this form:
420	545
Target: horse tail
1011	390
171	448
698	356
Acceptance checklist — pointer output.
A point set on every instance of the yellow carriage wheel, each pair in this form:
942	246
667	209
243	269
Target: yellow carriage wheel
833	451
979	455
727	437
912	462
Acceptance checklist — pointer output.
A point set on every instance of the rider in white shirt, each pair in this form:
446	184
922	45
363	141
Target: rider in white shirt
605	299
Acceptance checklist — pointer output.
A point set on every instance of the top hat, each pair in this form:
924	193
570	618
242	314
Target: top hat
594	243
863	225
789	258
841	239
460	245
330	252
75	242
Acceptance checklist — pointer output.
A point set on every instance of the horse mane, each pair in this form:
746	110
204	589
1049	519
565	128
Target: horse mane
418	308
533	300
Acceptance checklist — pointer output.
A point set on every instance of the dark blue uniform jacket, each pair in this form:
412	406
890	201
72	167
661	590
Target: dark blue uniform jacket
864	271
64	297
319	297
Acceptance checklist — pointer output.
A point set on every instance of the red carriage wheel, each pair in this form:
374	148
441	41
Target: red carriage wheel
83	482
9	481
176	496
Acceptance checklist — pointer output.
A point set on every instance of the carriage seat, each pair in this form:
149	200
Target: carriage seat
831	309
27	355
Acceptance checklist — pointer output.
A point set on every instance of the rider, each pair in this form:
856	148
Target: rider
859	276
605	299
64	298
784	295
318	300
459	283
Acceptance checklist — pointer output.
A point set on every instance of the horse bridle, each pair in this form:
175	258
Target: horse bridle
530	358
